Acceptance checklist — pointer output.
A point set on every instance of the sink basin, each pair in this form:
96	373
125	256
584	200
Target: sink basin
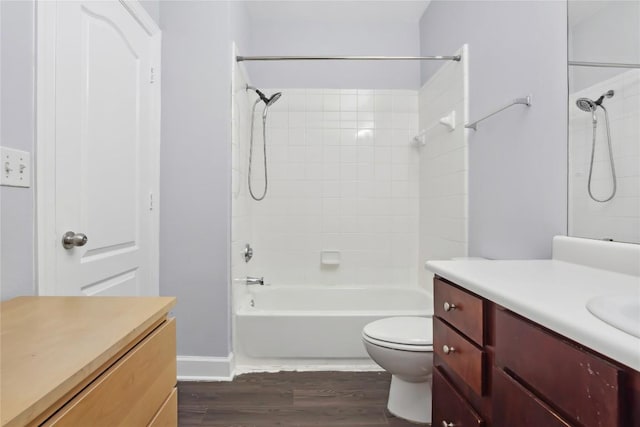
622	311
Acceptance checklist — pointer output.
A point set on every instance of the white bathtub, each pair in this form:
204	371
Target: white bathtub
304	322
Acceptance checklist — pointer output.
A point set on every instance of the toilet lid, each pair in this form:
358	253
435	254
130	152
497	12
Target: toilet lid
402	330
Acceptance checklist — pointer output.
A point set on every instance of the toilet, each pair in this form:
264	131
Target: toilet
403	346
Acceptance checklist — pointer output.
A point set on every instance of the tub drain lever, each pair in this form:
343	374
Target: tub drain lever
254	280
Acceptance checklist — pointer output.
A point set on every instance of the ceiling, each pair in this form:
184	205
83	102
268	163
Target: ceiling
327	12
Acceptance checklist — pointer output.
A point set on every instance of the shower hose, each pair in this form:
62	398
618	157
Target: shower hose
264	145
593	150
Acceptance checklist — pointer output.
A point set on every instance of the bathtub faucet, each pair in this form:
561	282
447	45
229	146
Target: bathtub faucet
254	280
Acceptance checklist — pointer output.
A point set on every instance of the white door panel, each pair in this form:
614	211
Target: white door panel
105	149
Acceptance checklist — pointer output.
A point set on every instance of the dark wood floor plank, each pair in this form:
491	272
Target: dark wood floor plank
321	397
289	399
259	417
190	417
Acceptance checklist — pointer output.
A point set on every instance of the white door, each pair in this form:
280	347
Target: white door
101	124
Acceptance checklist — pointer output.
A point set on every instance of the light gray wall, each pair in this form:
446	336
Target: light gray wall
342	38
17	121
196	172
240	25
518	159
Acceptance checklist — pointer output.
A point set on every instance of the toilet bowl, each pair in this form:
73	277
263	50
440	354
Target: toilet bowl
403	346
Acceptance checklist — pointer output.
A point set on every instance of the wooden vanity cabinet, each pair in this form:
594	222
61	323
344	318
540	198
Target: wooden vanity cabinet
463	354
133	391
88	361
525	376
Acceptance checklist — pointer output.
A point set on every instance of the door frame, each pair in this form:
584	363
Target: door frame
47	241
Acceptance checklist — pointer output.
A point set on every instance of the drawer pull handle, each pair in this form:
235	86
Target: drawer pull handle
448	350
449	306
446	424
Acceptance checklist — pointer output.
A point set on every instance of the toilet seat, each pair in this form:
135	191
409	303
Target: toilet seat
396	346
401	333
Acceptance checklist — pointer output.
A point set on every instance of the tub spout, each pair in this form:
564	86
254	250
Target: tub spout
254	280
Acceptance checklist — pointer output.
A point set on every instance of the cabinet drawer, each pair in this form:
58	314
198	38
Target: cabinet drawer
167	416
463	357
460	309
131	391
580	384
449	407
514	405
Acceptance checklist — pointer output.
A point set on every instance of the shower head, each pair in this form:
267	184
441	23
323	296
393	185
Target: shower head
585	104
263	97
590	106
273	98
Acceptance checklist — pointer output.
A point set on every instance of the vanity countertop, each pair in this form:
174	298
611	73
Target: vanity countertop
554	294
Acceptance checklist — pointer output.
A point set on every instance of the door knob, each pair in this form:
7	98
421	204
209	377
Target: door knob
71	239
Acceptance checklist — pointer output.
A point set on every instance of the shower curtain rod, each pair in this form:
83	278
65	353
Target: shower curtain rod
348	58
603	64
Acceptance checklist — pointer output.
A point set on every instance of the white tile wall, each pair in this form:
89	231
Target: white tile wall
618	219
343	176
443	218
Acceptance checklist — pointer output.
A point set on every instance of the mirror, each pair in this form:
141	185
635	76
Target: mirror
604	120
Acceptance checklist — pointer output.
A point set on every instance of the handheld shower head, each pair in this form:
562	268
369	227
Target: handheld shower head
273	98
587	105
590	106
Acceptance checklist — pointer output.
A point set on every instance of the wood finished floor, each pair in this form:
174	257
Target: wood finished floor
289	399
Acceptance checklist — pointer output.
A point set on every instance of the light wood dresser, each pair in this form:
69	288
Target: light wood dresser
87	361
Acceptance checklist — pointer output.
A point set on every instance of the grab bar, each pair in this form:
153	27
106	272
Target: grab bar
524	101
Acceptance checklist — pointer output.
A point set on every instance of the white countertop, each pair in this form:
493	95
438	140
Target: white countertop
554	294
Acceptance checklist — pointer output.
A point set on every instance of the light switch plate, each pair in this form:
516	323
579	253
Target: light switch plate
15	167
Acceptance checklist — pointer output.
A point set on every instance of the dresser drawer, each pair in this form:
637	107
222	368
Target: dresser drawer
449	407
131	391
460	309
167	416
459	354
582	385
514	405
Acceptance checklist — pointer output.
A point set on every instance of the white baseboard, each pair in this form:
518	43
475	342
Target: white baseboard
198	368
248	369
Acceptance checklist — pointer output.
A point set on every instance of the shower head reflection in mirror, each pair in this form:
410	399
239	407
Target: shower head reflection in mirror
590	106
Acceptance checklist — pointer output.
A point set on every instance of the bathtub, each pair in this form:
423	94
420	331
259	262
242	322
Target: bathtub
286	322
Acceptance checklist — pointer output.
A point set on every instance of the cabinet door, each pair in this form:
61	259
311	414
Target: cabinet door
449	407
514	405
585	386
